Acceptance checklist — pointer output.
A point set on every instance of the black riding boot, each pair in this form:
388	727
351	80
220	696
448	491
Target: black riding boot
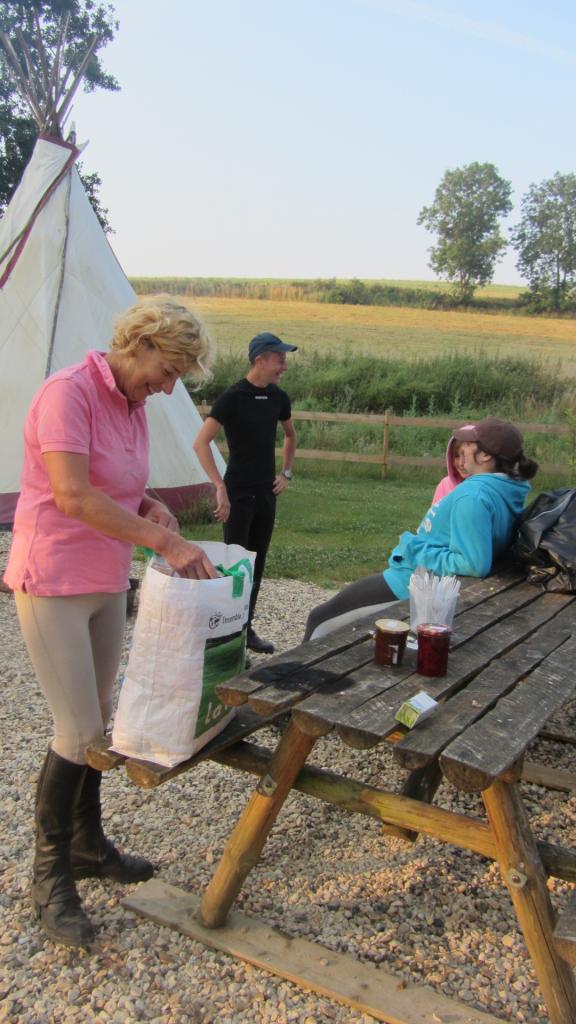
54	898
92	855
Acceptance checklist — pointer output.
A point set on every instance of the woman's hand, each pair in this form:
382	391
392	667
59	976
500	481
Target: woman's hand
222	510
188	559
156	512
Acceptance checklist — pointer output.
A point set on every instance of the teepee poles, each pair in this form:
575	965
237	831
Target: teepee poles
44	87
61	112
21	79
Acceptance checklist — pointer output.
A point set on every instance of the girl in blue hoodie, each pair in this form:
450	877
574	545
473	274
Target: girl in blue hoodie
460	535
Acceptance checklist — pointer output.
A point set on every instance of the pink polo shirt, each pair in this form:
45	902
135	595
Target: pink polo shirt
79	409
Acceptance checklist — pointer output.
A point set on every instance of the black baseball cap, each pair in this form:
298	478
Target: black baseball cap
497	437
267	342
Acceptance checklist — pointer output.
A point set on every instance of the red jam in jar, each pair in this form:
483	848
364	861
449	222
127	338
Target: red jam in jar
433	645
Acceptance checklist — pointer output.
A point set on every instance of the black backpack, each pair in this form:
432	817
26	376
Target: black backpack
546	541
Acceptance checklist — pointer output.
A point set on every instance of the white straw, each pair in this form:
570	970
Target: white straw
432	598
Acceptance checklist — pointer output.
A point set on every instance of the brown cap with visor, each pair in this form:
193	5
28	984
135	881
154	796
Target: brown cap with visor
496	437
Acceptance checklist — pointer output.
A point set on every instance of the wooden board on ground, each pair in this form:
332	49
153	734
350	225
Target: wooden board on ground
307	964
550	778
558	735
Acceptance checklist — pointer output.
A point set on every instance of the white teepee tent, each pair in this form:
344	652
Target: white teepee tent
60	289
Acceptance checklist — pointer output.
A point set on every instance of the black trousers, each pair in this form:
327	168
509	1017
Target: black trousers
250	523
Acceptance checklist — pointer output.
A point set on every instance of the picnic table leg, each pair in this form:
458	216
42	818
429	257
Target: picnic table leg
524	875
246	842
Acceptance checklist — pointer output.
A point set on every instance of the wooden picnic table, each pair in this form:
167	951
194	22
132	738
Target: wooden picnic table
511	667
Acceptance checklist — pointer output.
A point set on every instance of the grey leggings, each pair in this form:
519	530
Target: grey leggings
370	594
75	645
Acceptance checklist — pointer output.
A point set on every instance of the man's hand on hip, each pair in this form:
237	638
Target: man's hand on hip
280	484
222	510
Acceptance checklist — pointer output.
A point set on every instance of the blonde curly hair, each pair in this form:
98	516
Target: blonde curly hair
174	331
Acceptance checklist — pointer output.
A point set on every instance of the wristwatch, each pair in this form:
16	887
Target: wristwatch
287	473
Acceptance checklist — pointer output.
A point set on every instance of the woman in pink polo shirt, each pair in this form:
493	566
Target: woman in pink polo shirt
81	507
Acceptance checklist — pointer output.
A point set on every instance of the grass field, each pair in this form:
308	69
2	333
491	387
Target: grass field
387	331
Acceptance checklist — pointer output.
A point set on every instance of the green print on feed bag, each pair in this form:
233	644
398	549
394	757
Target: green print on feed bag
223	659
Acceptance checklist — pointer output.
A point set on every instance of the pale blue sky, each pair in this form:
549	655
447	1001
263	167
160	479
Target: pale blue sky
300	138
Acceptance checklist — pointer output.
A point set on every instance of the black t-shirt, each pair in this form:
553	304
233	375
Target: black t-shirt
250	417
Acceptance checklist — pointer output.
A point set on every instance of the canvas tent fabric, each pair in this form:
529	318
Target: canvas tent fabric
60	288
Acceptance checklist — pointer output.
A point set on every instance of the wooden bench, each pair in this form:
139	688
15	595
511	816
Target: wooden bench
149	775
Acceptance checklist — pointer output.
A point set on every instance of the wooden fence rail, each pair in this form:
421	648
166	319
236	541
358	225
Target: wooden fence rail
388	420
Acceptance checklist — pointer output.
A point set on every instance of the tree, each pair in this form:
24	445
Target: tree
92	182
545	241
467	206
31	18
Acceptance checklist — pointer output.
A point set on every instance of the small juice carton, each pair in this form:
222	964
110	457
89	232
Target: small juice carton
415	709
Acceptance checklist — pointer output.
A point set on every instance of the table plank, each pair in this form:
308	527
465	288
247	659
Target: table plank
489	747
281	667
329	707
363	724
475	592
332	671
425	742
318	713
498	607
503	576
374	679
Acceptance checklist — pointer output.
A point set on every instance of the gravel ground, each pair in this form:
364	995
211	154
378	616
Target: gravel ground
427	913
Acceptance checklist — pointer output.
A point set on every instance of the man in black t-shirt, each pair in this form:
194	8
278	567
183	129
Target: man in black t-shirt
250	412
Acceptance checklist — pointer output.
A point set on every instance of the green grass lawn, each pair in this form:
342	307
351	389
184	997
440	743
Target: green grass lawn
332	530
335	524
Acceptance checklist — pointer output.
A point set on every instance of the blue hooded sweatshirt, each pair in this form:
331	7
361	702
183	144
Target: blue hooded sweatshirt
462	534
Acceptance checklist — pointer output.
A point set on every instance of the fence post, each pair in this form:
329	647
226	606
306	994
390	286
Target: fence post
386	442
